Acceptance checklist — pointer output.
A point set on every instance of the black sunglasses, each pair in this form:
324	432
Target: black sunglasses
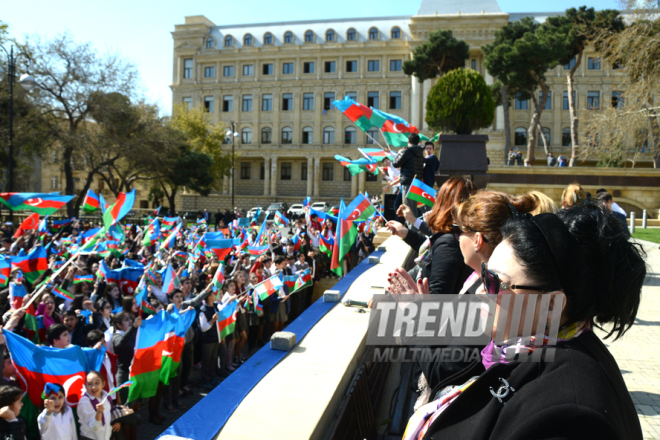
493	284
457	230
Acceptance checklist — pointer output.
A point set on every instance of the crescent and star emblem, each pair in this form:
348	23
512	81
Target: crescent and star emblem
34	202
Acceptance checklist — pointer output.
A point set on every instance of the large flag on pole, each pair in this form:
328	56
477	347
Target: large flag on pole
359	165
31	222
362	116
33	264
91	202
336	264
122	206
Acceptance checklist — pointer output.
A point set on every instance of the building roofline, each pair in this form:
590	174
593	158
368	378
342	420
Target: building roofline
333	20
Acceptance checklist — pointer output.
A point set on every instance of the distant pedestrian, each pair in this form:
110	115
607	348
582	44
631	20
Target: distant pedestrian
431	164
552	160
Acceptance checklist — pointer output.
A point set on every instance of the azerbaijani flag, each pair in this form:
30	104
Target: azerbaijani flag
258	250
124	385
59	224
306	202
421	193
359	165
362	116
219	277
359	209
37	365
91	202
152	234
170	280
281	220
221	248
122	206
45	205
227	319
83	279
16	294
290	280
396	135
168	222
296	242
304	280
58	291
375	153
336	264
30	223
143	304
33	264
14	200
170	241
326	244
267	288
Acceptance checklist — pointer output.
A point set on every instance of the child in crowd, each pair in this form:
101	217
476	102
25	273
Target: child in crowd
56	421
94	410
12	426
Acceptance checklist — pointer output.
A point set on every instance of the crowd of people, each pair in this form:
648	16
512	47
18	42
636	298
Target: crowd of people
103	314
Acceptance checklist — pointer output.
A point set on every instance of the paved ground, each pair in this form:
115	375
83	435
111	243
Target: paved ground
637	353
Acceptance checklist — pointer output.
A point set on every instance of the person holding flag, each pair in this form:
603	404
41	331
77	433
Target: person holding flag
410	161
210	337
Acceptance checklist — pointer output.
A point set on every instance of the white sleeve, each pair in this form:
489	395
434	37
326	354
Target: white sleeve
87	415
418	223
43	420
204	325
72	425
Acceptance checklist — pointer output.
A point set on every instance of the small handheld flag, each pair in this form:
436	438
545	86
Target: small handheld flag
58	291
50	388
115	389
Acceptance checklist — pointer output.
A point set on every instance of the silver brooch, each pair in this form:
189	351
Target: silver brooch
503	391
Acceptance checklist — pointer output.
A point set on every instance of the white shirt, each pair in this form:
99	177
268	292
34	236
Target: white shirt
89	426
617	208
57	426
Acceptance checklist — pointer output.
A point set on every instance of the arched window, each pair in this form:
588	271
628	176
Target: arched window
209	42
247	40
373	132
288	37
351	35
229	41
330	35
373	33
566	137
308	135
246	136
328	135
396	33
520	136
266	135
546	134
350	135
309	37
287	135
268	38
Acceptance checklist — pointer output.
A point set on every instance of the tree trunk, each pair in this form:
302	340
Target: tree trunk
571	111
545	142
170	197
655	134
507	125
69	187
536	118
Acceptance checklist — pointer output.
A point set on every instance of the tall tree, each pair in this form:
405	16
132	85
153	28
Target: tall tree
68	74
572	32
439	54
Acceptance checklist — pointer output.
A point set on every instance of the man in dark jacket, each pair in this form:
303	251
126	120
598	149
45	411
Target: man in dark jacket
431	164
410	161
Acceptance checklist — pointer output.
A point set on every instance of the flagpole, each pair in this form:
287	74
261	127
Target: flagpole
385	139
376	142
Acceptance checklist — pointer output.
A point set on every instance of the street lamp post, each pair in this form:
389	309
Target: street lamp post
233	135
27	82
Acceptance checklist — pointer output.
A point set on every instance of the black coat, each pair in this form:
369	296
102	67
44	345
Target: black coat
581	395
446	270
411	162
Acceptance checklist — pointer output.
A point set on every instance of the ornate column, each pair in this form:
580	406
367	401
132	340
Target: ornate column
266	175
310	175
273	177
425	94
317	175
414	102
362	177
354	180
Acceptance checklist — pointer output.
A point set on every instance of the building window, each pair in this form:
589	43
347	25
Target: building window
229	41
371	177
188	102
328	135
288	37
248	69
548	103
246	136
245	170
351	35
267	69
208	104
350	135
228	71
268	38
53	183
287	68
352	95
287	135
593	63
351	66
617	100
396	33
395	100
247	40
566	137
328	98
228	103
565	100
545	131
330	35
473	64
347	175
266	135
209	43
372	100
593	100
247	103
53	158
521	104
395	65
372	137
373	66
187	68
328	171
520	136
309	37
262	171
308	101
308	135
373	34
285	171
209	72
330	67
570	64
287	101
303	171
308	67
267	102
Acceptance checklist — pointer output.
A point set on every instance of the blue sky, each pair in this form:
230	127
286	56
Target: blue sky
140	29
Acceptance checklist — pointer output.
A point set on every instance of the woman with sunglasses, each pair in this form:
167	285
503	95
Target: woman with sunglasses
580	393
